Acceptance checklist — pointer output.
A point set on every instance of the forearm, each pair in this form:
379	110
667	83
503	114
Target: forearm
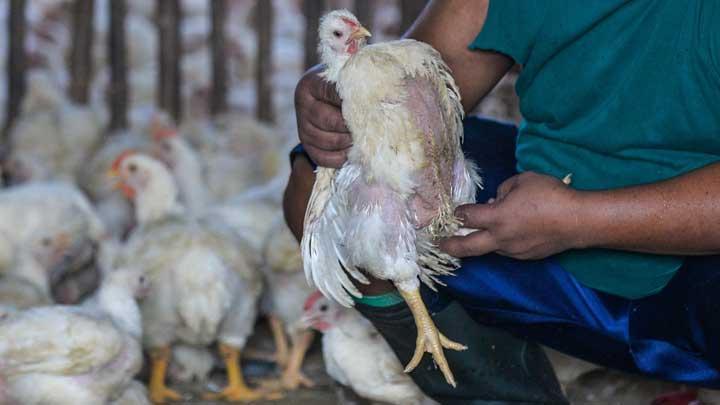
450	26
678	216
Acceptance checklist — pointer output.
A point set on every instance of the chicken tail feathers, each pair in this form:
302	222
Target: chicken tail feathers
204	297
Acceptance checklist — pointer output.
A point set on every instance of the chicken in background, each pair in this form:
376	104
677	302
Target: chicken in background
205	286
357	356
75	355
219	159
114	210
53	136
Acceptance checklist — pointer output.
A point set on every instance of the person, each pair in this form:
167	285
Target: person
620	268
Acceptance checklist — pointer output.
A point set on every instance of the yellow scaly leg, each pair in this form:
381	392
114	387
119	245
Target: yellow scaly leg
281	343
159	392
293	377
237	390
429	339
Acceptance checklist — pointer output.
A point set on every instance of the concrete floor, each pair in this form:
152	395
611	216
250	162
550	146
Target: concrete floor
584	384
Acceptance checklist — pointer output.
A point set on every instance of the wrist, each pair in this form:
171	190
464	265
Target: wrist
584	232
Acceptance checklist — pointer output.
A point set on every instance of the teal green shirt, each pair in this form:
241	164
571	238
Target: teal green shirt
619	93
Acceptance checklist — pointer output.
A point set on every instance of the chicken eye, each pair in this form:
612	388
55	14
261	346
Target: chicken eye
142	279
337	34
323	308
132	167
46	241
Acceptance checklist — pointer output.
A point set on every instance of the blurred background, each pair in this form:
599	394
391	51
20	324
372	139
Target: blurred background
84	79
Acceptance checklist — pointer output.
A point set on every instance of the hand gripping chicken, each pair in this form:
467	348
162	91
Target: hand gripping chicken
404	176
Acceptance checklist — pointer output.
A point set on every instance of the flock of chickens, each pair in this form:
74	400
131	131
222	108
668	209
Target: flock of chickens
161	248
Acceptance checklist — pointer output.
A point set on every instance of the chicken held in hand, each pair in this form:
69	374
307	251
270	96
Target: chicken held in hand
405	174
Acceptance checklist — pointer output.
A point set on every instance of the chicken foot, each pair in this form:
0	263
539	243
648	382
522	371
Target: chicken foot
429	338
281	343
237	390
159	392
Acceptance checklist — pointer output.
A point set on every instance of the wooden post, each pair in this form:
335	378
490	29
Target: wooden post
169	15
365	13
80	63
410	10
264	68
218	92
313	10
117	94
15	66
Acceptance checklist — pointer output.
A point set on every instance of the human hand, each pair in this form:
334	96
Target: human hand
321	127
533	216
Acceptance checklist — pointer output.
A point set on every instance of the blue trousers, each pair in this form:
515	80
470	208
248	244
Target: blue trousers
672	335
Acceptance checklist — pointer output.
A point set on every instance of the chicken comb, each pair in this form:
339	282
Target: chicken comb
349	22
118	160
312	299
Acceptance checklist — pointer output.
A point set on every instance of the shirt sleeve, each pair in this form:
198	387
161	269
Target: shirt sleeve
511	27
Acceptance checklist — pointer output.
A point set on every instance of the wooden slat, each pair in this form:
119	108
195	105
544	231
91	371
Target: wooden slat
16	64
117	95
312	10
169	16
263	69
80	61
218	91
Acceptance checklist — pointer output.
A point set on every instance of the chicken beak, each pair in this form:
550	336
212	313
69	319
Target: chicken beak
307	320
359	33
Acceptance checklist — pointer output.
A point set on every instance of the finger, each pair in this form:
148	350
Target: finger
321	89
325	140
477	216
474	244
326	116
506	187
327	159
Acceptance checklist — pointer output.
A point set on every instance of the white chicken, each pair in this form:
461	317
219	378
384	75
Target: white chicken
357	356
205	286
26	281
404	176
75	355
53	136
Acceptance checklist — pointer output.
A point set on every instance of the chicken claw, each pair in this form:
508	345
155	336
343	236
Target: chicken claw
159	392
429	339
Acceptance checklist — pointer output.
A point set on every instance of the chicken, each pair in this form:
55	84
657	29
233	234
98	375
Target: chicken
404	176
113	209
357	356
190	364
26	281
53	136
205	286
75	355
213	161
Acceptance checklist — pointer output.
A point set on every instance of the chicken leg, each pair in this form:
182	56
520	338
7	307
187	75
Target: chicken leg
429	339
281	343
293	376
236	390
159	392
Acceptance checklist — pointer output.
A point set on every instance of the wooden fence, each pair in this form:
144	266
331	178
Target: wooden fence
168	21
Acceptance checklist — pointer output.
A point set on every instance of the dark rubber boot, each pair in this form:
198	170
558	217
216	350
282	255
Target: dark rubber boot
498	368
